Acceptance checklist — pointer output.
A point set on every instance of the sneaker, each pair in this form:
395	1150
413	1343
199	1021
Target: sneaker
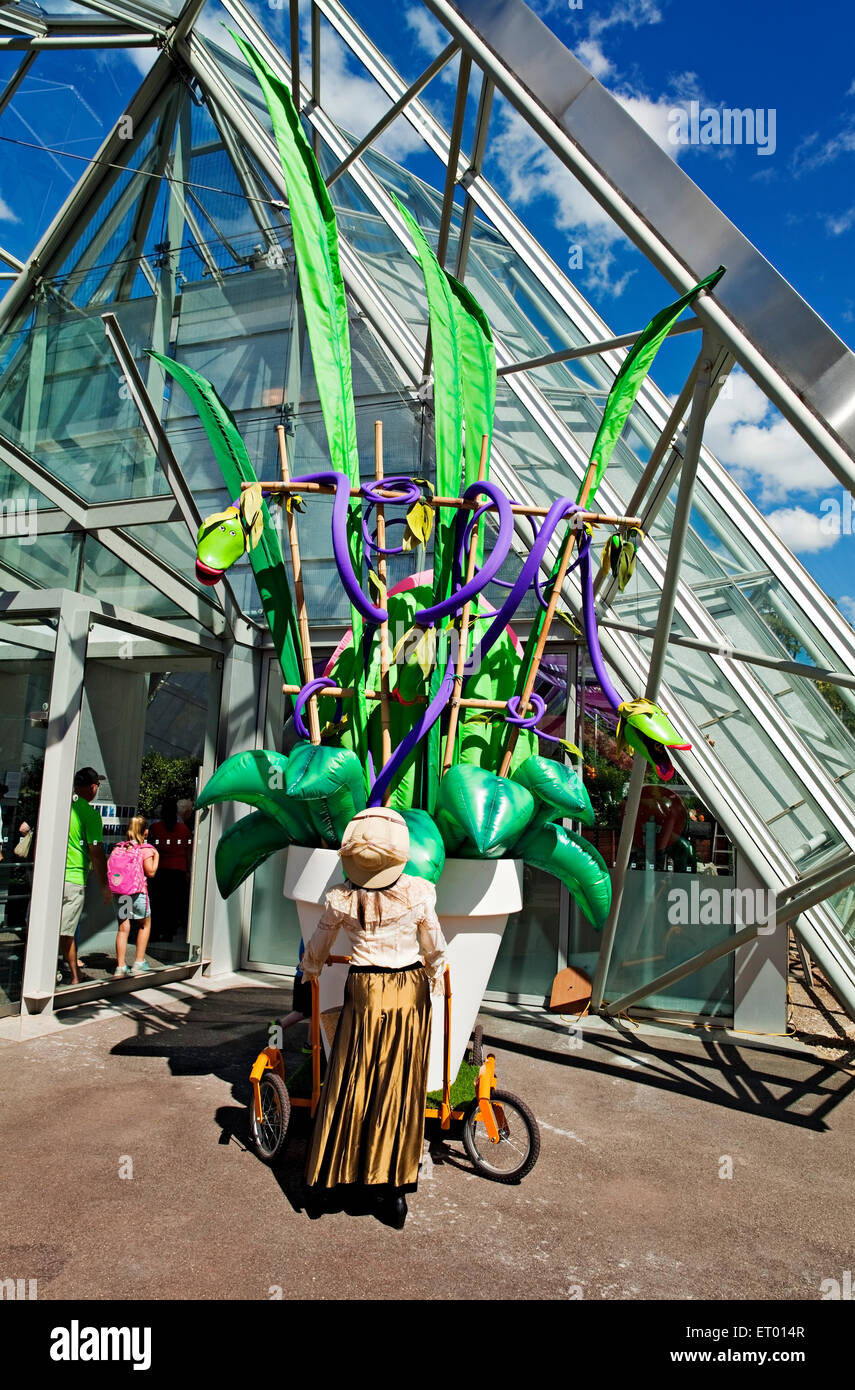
142	967
120	972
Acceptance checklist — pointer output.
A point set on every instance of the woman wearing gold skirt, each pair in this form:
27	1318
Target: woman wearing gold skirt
369	1127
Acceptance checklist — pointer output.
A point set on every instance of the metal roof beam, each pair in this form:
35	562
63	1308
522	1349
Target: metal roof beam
394	111
12	86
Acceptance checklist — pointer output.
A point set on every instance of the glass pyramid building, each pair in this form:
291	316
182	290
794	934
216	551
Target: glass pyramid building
176	237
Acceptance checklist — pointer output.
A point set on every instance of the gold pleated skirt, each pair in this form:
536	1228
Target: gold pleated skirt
369	1126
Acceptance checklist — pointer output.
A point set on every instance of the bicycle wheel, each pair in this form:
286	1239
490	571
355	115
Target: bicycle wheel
519	1139
476	1049
268	1135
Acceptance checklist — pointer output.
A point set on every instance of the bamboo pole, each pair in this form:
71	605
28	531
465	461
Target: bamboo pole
302	614
522	707
586	518
337	692
386	734
457	689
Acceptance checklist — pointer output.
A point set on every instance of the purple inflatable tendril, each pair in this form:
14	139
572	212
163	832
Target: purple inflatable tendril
427	617
416	734
525	721
372	493
589	622
303	696
341	484
560	509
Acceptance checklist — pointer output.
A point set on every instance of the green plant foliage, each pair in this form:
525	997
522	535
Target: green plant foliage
161	776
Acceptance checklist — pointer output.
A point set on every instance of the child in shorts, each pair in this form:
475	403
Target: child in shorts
134	907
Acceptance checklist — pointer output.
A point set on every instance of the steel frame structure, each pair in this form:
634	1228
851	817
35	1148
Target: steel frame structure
480	36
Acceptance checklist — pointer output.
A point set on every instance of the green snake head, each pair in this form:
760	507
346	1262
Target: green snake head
221	541
646	729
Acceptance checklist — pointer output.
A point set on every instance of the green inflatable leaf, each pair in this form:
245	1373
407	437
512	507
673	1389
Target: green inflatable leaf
427	852
244	847
577	863
479	814
557	789
258	778
329	784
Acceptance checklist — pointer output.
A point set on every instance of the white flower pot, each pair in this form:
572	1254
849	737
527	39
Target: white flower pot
474	898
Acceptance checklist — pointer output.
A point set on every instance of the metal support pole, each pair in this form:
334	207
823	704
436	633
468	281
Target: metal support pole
66	697
479	144
15	81
694	438
294	15
316	74
679	972
691	325
796	905
394	111
450	181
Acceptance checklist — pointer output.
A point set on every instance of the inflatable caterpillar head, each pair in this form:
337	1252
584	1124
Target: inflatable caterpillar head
221	541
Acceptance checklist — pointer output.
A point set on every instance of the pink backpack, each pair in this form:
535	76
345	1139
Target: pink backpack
124	869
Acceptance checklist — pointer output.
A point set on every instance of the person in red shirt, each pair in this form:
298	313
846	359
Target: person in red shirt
169	890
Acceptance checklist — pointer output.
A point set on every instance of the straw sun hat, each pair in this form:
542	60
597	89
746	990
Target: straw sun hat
375	847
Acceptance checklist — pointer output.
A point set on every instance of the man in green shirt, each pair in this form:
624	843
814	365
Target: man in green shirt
85	849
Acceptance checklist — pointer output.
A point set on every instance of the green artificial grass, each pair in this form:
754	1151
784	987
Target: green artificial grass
462	1087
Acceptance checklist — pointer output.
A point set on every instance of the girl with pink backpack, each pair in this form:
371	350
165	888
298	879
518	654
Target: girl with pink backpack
131	864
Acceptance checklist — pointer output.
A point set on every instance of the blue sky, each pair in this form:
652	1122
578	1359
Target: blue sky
796	204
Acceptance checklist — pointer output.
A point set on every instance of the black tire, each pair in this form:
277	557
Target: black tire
476	1049
519	1140
268	1137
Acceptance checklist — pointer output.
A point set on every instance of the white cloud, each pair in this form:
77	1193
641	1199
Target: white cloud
634	12
6	213
532	171
846	603
431	35
811	153
838	223
801	531
759	446
591	54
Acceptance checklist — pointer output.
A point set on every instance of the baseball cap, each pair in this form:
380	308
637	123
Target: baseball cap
375	847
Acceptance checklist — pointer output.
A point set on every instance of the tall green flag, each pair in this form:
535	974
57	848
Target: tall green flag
477	356
447	400
265	558
633	370
448	435
313	227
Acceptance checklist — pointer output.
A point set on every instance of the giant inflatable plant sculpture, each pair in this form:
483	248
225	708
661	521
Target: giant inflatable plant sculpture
440	768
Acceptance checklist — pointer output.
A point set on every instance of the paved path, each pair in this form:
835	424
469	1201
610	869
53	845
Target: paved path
627	1201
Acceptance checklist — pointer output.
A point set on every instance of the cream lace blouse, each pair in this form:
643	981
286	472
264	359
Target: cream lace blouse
389	927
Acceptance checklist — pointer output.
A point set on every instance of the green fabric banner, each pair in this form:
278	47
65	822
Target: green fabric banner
634	369
313	227
448	433
265	558
447	400
478	370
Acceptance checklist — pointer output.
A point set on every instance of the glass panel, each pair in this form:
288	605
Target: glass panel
26	667
274	933
144	729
